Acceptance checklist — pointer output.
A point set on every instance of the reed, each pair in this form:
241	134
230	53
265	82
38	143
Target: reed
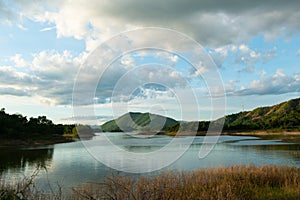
235	182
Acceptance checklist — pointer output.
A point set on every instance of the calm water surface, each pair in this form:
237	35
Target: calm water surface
70	164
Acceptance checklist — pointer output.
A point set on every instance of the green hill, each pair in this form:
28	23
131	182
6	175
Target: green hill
283	116
280	117
135	121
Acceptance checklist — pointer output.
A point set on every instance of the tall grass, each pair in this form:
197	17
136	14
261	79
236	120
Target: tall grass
236	182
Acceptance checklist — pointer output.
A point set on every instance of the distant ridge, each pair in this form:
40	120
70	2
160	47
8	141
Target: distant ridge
283	116
136	121
280	117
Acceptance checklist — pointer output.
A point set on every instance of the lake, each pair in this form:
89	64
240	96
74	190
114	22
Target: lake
71	164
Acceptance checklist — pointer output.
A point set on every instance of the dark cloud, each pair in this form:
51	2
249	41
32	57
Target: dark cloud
212	22
14	92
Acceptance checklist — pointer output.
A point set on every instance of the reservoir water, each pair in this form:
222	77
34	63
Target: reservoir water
71	164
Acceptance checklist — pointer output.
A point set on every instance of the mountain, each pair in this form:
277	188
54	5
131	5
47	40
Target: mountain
136	121
284	116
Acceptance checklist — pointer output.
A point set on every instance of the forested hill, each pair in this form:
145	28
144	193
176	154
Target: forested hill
136	121
283	116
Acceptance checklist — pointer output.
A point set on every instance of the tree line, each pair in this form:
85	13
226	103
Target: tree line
281	117
18	126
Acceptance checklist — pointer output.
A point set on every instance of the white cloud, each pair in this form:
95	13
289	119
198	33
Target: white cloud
249	57
49	76
279	74
167	58
212	23
220	54
278	83
199	71
47	29
19	61
174	58
127	60
225	25
244	48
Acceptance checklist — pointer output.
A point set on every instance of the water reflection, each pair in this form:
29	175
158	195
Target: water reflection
288	154
18	159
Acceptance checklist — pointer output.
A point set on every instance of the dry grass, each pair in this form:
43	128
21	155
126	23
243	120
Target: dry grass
237	182
26	189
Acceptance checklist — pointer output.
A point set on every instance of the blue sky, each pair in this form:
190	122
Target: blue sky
255	46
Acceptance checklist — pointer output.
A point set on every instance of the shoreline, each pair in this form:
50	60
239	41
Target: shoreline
34	142
285	136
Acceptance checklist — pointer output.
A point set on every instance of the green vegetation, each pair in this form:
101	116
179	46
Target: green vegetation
16	129
236	182
278	118
134	121
281	117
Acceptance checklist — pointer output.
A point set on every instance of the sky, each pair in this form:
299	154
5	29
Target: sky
44	45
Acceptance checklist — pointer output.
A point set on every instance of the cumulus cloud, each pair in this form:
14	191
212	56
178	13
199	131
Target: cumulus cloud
220	54
212	23
123	85
249	57
19	61
224	27
12	77
278	83
49	75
